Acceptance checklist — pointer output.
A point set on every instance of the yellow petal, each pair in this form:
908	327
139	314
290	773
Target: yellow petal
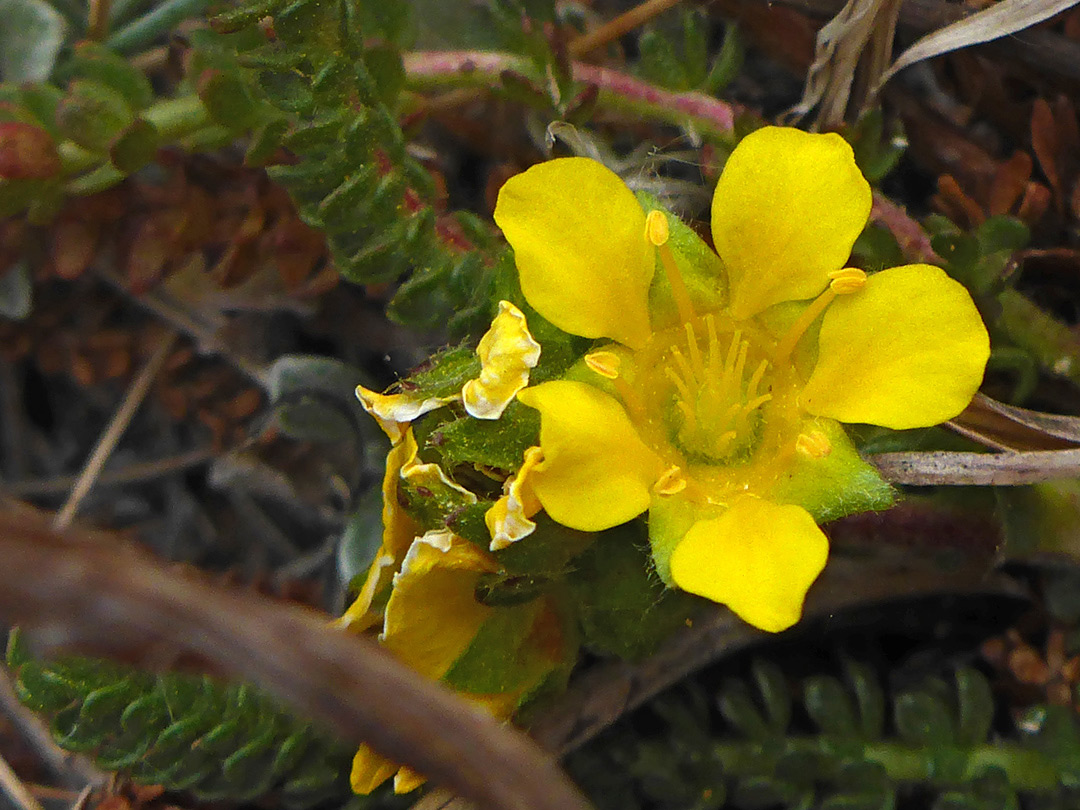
596	471
507	352
508	519
406	780
907	351
757	558
786	211
399	530
578	235
369	770
432	616
394	412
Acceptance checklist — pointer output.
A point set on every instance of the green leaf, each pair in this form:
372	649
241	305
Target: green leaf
829	706
775	693
923	718
975	707
738	708
314	398
31	34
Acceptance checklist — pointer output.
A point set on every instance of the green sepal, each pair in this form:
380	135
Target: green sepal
445	373
498	444
623	609
841	483
700	268
500	659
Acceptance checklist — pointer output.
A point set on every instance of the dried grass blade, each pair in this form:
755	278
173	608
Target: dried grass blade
1001	19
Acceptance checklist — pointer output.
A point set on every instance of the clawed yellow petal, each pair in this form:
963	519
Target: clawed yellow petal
406	780
786	211
596	472
757	558
508	519
507	352
399	530
907	351
432	616
578	235
394	412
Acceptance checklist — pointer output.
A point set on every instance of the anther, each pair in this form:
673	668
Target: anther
814	444
671	482
848	280
604	363
656	228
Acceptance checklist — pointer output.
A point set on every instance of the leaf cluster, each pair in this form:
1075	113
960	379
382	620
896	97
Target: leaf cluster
182	731
334	74
868	750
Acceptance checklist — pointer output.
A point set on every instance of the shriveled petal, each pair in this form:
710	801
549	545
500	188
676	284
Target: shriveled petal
394	412
432	616
369	770
399	531
507	352
596	472
508	519
579	242
907	351
786	211
757	558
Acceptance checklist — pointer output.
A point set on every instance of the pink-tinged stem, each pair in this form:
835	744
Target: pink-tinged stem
914	242
432	69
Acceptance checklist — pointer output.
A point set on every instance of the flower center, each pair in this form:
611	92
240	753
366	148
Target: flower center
718	391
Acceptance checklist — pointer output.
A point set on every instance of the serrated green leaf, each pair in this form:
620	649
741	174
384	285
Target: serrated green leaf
923	718
829	705
975	702
869	699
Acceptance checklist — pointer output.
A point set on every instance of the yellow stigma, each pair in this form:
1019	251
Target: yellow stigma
814	444
842	282
715	404
604	363
671	482
657	231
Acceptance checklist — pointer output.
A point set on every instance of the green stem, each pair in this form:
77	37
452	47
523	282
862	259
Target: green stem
434	70
1026	769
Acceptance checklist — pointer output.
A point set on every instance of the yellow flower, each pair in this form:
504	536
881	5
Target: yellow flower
432	619
714	401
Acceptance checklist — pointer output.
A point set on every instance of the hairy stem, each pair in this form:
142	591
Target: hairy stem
429	70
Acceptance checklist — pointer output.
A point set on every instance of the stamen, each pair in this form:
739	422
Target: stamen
671	482
844	282
695	352
684	389
714	346
604	363
757	402
684	366
756	377
814	444
658	232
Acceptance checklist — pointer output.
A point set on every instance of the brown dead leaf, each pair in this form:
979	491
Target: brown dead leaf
1046	143
1009	183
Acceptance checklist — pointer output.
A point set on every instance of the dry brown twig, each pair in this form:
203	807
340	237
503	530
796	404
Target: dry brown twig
87	592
